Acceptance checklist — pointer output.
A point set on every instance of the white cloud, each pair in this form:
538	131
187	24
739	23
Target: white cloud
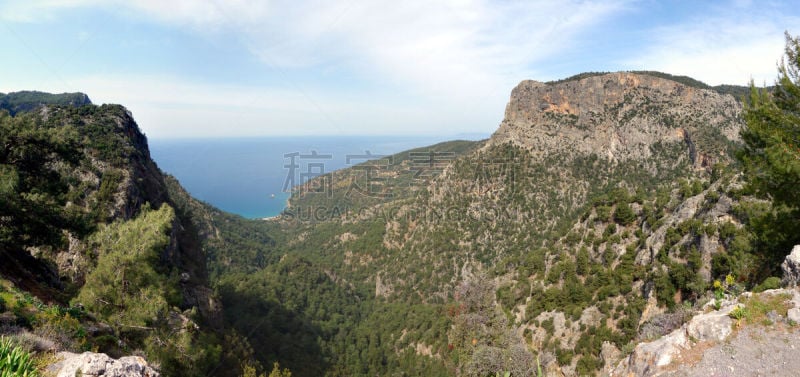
428	66
37	10
167	107
731	46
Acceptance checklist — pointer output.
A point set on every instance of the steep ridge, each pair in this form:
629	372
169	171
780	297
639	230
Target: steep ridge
77	173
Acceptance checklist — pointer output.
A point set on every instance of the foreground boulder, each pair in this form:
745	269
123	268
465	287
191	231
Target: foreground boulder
100	364
704	344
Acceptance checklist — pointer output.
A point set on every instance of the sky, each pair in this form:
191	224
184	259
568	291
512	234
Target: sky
240	68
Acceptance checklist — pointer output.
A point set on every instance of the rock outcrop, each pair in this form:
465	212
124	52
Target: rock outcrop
101	365
682	347
791	267
650	357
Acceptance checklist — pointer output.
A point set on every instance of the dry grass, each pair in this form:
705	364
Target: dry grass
758	306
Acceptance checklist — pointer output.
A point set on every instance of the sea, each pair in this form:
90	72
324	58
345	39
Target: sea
252	177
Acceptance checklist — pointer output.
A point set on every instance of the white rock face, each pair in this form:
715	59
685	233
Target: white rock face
100	364
791	267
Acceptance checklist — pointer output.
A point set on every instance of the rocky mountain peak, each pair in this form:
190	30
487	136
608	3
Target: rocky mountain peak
619	116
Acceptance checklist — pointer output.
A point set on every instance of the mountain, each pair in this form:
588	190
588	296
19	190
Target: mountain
596	218
28	100
599	205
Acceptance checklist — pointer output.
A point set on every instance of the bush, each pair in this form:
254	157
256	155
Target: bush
771	282
588	365
624	214
610	229
564	356
603	212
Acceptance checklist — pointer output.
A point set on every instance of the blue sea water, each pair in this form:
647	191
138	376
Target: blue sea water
248	176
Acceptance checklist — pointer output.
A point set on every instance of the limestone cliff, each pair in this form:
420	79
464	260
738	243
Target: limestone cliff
619	116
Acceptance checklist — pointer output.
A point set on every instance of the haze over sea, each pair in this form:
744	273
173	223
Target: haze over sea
246	176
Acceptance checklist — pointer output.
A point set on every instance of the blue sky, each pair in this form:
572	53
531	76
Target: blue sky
237	68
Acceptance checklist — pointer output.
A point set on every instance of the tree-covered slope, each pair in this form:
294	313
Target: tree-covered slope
91	242
597	200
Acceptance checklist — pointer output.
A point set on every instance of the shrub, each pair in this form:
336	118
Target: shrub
587	365
624	214
771	282
603	212
549	326
564	356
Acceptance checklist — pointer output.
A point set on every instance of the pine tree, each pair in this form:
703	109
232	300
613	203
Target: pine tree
771	156
771	161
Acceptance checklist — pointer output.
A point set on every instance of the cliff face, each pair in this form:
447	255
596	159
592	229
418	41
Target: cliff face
111	178
143	182
619	116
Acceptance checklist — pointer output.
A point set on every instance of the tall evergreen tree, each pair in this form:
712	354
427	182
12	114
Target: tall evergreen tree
771	160
771	156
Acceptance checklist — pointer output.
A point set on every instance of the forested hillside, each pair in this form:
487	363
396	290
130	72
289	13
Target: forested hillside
576	249
579	245
598	216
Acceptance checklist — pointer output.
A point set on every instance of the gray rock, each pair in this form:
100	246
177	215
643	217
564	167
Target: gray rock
610	355
650	357
101	365
714	326
791	267
794	315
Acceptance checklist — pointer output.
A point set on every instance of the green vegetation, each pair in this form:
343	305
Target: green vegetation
124	288
755	309
771	157
32	192
63	176
14	361
131	291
